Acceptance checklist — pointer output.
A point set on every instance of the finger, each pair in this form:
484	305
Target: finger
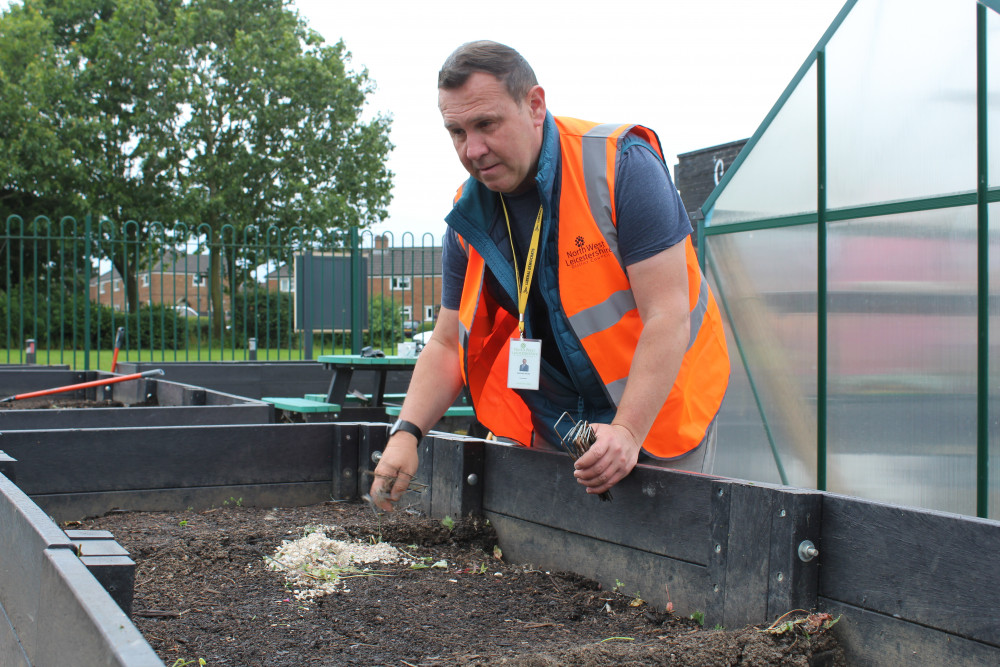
379	496
592	457
402	483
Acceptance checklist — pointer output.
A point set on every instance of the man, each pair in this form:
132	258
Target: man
569	243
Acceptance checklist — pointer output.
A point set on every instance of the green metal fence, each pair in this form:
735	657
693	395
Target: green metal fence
74	287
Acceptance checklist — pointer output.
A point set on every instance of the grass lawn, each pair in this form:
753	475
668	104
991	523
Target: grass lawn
102	359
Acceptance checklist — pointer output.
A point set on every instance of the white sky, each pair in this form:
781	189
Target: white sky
698	72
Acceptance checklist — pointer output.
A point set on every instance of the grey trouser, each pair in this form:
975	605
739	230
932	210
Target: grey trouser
700	459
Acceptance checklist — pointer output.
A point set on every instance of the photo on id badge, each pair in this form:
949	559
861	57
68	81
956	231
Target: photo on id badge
524	364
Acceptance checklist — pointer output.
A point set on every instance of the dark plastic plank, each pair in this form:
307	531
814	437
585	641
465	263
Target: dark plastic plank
640	572
25	532
11	652
874	640
25	380
80	622
926	567
539	486
755	568
120	417
458	477
94	460
249	379
75	506
746	553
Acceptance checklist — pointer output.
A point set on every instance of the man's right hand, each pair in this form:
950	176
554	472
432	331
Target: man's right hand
394	471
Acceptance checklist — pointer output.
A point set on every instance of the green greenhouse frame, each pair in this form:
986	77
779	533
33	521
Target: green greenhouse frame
849	248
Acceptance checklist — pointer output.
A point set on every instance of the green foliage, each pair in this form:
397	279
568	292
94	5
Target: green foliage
698	617
385	319
264	315
230	113
59	321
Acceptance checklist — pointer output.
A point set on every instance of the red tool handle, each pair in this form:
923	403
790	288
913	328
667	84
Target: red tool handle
119	338
83	385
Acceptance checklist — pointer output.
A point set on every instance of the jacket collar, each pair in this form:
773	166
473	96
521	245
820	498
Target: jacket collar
475	210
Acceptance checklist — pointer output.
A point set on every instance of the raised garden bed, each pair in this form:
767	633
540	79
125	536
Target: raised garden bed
256	379
207	586
909	586
151	401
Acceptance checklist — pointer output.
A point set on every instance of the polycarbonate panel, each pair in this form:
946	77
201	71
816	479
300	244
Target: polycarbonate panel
901	102
901	340
993	94
778	176
744	450
766	287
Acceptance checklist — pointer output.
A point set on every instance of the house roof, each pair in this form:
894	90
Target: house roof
415	261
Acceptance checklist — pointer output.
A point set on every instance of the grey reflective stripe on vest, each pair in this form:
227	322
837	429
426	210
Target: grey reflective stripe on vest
616	389
609	312
602	315
595	177
698	312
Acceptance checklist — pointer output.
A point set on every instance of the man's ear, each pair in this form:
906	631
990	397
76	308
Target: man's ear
536	104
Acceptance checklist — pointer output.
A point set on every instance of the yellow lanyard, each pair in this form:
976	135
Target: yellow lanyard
523	285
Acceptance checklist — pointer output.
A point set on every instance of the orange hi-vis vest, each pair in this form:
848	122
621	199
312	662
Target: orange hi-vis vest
595	298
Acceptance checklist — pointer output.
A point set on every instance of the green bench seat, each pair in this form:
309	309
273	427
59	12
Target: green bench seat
301	404
453	411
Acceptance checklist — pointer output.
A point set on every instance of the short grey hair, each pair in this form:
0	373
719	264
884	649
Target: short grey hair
500	60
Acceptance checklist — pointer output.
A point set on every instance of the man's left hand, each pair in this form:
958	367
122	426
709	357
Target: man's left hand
611	457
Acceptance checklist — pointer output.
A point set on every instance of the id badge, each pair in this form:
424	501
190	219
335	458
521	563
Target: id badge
524	364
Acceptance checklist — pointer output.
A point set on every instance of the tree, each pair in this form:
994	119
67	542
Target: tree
275	136
91	103
224	113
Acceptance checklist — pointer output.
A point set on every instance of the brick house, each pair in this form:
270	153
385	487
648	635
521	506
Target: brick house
176	281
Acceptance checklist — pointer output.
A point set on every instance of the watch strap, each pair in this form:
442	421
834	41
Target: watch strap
408	427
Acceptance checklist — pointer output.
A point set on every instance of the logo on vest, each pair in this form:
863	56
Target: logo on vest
585	253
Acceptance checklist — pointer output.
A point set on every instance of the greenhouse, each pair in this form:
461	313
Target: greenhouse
852	254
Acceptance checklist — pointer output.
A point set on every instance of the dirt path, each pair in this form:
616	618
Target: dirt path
205	588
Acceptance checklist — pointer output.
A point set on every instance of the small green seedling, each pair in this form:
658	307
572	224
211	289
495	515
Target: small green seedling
698	617
182	522
448	523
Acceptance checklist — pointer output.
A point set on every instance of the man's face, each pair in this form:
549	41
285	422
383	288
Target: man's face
497	139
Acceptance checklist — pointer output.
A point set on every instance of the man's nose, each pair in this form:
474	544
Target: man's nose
475	147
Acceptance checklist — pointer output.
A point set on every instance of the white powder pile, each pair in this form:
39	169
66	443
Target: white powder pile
316	565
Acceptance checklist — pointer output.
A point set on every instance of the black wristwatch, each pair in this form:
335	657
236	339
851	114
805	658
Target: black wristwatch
408	427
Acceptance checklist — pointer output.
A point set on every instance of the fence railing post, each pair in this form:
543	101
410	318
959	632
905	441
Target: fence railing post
87	259
356	314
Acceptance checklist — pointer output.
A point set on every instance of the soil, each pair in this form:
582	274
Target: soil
205	589
60	403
